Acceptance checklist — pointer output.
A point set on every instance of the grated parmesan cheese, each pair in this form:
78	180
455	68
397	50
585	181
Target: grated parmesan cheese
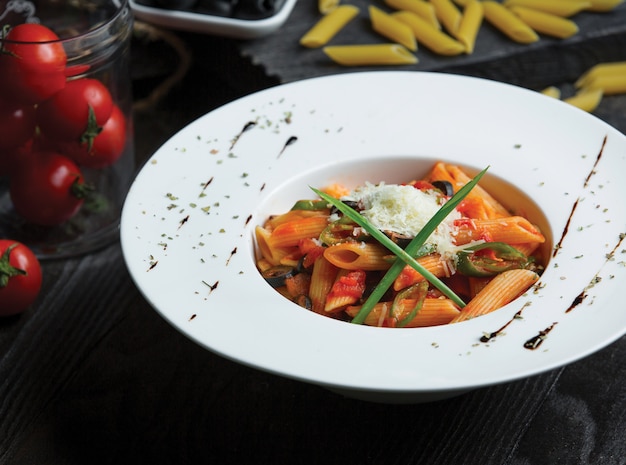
406	210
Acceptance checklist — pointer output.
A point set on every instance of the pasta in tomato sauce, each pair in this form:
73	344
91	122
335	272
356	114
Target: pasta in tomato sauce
324	261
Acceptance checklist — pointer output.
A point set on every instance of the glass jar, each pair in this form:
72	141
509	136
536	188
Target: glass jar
66	132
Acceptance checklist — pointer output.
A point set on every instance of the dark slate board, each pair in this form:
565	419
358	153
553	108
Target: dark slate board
602	37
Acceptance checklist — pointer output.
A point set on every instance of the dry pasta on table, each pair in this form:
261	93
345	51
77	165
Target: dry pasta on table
323	253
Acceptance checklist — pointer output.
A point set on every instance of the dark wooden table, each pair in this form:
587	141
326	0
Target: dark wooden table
92	375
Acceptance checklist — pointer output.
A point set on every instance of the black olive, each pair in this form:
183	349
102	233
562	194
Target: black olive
350	203
445	187
304	301
276	275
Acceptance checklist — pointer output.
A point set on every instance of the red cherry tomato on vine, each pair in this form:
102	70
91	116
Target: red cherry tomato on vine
107	146
47	189
17	124
20	277
76	113
33	64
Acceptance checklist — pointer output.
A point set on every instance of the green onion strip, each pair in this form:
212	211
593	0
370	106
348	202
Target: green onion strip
404	256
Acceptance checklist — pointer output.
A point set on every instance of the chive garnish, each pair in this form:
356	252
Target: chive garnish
404	256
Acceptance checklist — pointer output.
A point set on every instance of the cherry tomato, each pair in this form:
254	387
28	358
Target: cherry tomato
17	124
76	113
33	64
20	277
107	146
47	189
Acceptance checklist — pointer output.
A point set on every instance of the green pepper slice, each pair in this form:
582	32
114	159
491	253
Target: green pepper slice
310	205
416	291
475	262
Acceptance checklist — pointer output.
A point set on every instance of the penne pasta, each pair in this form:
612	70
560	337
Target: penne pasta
615	68
347	289
479	203
328	26
325	261
430	37
602	6
552	91
290	233
511	230
431	262
370	55
609	84
501	290
508	23
369	256
546	23
562	8
434	312
389	27
322	280
326	6
470	24
447	14
586	99
421	8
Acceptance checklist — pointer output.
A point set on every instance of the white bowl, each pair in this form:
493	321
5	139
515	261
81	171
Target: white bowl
188	221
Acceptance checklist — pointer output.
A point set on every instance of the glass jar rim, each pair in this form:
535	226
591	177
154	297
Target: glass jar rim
123	7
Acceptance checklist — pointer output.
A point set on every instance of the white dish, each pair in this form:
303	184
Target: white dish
188	221
212	24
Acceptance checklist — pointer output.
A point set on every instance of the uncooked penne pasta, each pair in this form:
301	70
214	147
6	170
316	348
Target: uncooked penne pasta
328	26
389	27
430	37
614	68
421	8
447	14
602	6
501	290
508	23
610	85
586	99
552	91
546	23
368	256
563	8
470	24
326	6
370	54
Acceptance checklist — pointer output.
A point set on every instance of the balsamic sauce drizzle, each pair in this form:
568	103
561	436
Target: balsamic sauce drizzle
585	184
206	184
489	336
534	342
596	279
292	140
183	221
211	287
232	253
249	125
